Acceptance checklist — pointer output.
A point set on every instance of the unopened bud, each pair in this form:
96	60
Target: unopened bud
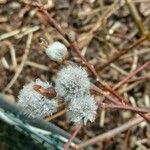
57	52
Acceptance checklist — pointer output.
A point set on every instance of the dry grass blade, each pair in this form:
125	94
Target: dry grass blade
136	16
24	58
122	52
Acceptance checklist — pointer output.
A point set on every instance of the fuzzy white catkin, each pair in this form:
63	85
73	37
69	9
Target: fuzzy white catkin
57	51
82	109
72	82
33	104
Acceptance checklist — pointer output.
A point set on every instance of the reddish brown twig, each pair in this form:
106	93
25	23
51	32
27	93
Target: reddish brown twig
66	146
66	36
105	94
114	100
75	47
125	107
111	90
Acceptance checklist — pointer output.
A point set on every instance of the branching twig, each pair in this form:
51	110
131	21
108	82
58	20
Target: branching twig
74	45
70	39
114	101
114	97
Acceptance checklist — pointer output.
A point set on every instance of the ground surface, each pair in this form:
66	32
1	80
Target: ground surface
103	31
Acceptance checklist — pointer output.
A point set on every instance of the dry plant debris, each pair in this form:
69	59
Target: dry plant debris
109	38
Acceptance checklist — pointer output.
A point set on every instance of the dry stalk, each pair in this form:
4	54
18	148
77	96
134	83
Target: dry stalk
115	101
136	16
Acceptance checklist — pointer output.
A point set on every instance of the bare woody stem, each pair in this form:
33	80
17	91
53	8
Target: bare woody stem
69	39
138	79
114	101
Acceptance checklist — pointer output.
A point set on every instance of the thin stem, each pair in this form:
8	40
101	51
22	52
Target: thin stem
74	45
135	16
66	146
98	90
114	101
20	67
125	107
68	38
138	79
104	26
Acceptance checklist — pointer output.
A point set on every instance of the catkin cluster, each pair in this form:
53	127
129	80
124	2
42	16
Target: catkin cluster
82	109
33	103
72	84
57	52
